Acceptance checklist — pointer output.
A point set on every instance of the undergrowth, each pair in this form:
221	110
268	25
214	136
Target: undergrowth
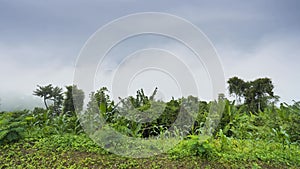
78	151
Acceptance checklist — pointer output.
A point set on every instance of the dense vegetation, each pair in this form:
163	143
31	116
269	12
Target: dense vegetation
253	131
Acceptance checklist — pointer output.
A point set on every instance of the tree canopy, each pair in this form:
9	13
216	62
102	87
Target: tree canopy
49	93
256	94
73	100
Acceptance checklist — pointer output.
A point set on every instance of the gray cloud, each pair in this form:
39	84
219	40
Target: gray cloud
275	56
39	41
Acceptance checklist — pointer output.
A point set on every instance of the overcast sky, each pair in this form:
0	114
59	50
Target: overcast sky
40	41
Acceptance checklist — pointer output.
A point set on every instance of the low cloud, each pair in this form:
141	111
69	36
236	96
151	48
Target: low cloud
275	56
23	68
40	41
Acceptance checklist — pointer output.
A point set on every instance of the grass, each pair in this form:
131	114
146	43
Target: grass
78	151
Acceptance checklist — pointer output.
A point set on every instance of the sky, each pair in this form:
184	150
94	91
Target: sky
41	40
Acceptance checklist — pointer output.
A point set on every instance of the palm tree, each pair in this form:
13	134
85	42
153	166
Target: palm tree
45	92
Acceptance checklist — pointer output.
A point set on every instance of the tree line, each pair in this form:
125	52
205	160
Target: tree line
256	95
251	96
253	114
62	102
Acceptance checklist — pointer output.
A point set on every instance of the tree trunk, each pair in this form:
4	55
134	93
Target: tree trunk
46	104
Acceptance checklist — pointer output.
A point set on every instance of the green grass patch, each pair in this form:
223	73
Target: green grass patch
78	151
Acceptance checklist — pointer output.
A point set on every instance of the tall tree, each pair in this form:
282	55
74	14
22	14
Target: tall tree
73	100
237	87
257	94
57	98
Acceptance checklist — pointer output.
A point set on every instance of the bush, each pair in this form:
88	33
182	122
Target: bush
193	146
12	126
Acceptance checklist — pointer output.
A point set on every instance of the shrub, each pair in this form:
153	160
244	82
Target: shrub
12	126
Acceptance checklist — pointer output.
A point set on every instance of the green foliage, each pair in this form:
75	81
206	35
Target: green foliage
266	136
12	127
66	124
39	123
237	87
288	116
213	119
100	103
257	94
73	99
69	142
78	151
281	136
193	146
224	140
